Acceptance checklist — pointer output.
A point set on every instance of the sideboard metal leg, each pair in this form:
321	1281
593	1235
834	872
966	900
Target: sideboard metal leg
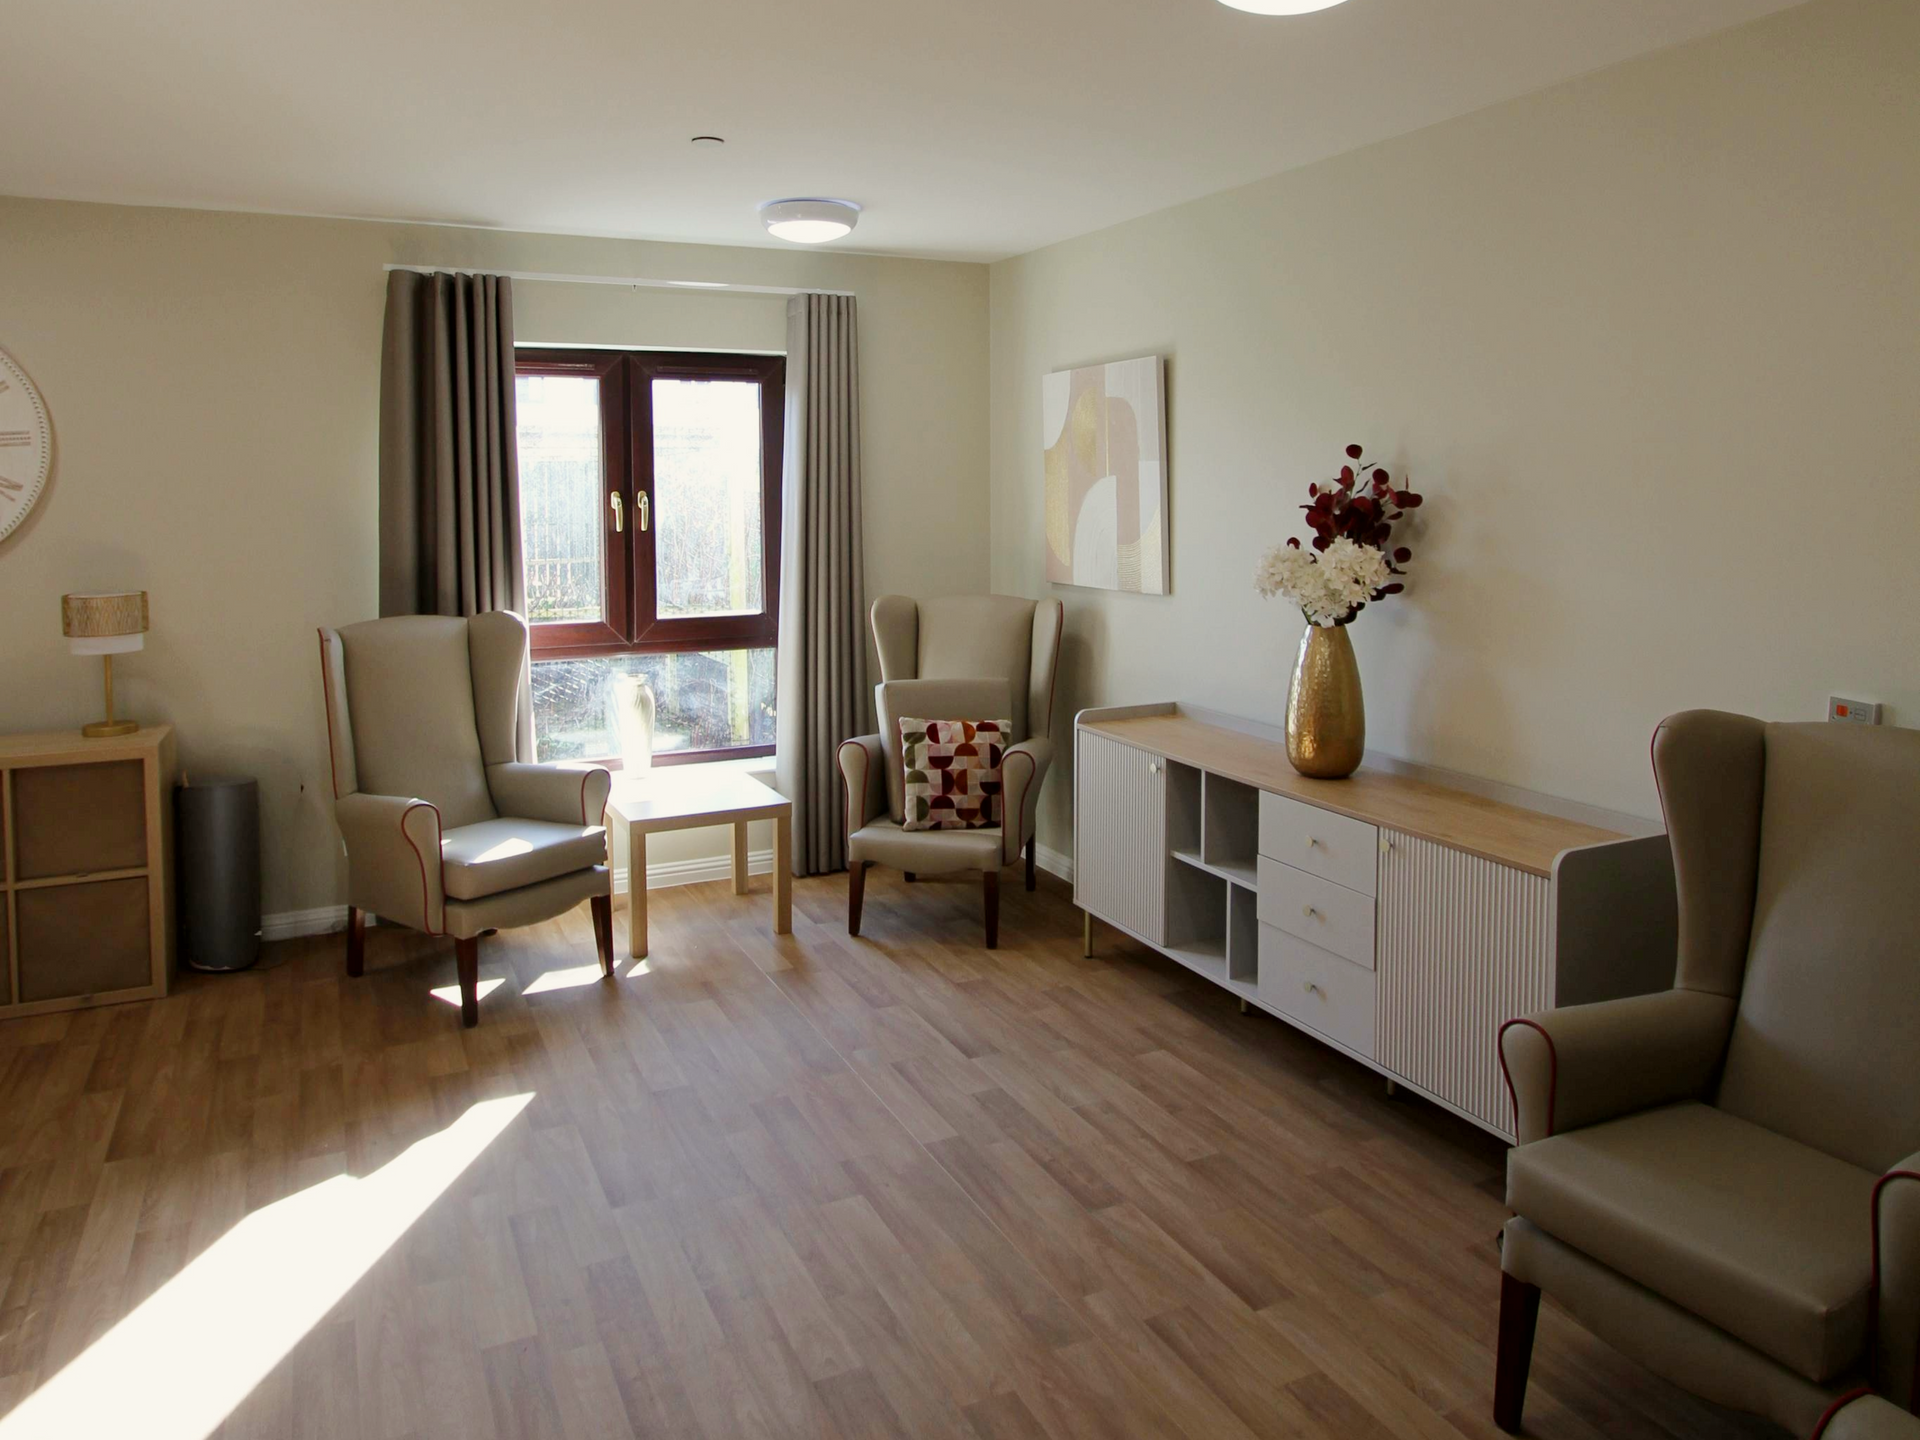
1086	933
1246	1008
1393	1090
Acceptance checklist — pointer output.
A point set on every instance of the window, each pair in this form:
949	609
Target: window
650	515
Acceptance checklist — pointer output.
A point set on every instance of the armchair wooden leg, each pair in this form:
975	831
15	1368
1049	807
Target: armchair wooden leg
856	893
990	883
1519	1310
467	954
911	877
356	941
1031	879
603	931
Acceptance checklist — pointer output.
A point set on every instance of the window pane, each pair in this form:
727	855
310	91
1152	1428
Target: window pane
712	700
562	494
706	497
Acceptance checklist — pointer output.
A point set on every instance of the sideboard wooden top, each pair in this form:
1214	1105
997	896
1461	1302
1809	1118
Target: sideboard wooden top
66	747
1506	834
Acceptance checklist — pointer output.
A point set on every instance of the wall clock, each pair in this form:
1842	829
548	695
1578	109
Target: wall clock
26	445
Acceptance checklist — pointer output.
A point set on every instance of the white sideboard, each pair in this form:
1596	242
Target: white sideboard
1396	919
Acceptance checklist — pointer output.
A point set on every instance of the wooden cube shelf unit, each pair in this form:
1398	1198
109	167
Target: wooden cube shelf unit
86	896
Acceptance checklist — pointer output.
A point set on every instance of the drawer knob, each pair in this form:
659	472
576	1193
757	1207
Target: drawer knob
1311	988
1308	911
1311	842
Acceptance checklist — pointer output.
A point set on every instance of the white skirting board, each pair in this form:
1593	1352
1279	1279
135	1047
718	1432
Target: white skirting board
288	924
1054	862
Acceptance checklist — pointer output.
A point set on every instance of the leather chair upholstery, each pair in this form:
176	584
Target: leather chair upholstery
1720	1180
447	830
964	657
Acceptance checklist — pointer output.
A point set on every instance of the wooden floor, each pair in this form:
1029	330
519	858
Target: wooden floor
812	1186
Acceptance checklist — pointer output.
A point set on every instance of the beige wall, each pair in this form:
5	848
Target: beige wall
213	384
1650	344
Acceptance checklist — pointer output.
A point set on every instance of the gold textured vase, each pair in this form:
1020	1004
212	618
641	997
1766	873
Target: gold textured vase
1326	716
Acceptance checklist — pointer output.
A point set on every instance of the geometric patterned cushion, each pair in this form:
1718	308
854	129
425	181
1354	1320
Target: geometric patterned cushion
953	772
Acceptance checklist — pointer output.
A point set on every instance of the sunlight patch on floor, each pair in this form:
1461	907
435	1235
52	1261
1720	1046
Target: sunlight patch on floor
451	993
565	979
180	1363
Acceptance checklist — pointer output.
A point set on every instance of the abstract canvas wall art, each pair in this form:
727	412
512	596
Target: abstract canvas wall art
1105	432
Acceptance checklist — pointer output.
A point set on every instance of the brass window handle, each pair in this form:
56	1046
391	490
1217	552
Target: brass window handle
619	512
641	501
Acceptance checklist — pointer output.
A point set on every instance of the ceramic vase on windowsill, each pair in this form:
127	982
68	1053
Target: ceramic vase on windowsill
1326	711
1350	562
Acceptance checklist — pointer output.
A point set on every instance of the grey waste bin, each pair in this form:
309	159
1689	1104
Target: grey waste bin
216	827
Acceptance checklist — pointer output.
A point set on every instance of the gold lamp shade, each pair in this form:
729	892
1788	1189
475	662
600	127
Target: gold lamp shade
105	625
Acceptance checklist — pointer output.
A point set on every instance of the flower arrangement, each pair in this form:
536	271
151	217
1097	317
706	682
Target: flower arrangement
1349	564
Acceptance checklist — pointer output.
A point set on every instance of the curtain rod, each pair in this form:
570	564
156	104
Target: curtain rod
630	281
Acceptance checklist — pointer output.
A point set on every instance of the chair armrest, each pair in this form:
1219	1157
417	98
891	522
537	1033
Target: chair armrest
1023	770
863	778
563	794
393	858
1586	1063
1862	1415
1896	1281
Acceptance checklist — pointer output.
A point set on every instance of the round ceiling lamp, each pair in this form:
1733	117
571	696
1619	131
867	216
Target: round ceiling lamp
1281	7
809	222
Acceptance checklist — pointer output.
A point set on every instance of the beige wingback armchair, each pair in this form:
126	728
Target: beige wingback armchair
965	657
1720	1180
447	831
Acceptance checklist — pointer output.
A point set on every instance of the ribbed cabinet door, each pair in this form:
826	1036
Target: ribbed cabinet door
1119	834
1464	944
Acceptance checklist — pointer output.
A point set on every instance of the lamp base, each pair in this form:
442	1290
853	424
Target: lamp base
107	729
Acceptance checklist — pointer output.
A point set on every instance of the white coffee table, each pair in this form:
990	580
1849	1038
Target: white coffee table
688	798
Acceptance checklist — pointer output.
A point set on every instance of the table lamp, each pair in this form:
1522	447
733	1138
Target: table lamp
105	625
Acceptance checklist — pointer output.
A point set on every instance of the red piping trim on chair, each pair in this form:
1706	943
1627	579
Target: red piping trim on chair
438	831
866	766
326	692
1553	1072
1020	820
1826	1416
1053	679
1873	1295
583	792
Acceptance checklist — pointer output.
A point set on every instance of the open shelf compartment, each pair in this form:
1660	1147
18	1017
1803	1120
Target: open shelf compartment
1243	936
1184	805
1230	828
1197	920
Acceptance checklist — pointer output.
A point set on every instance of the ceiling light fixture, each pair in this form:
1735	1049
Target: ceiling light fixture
809	222
1281	7
701	284
707	140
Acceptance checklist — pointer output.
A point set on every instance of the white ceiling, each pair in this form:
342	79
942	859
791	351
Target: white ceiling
970	131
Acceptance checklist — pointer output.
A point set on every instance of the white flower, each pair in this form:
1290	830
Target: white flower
1326	585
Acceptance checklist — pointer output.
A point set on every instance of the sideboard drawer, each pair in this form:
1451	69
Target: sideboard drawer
1317	988
1318	911
1319	841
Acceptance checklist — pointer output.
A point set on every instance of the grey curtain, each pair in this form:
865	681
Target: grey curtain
822	668
449	467
449	455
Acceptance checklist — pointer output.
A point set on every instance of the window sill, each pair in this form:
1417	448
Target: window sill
760	767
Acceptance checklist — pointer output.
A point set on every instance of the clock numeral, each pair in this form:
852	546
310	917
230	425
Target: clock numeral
10	487
4	387
15	437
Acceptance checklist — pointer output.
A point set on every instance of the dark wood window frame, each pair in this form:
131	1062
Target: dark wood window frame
633	625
